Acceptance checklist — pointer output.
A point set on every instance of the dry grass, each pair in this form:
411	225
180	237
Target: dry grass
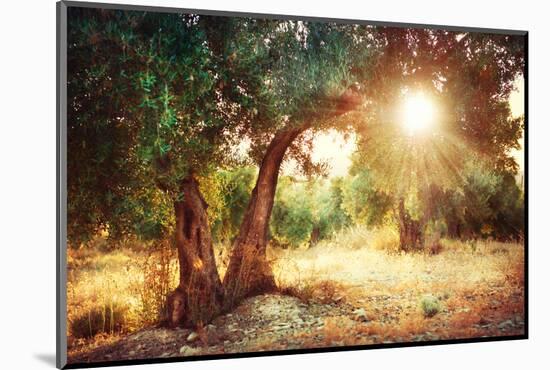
477	286
118	291
387	273
466	289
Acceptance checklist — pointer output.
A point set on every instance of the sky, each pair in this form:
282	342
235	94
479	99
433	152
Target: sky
332	147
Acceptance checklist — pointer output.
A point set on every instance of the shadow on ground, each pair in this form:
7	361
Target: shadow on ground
46	358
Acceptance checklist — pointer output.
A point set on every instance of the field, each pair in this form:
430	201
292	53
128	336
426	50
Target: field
351	290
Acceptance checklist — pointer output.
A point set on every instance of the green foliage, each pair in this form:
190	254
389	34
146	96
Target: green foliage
480	186
148	104
490	203
364	202
121	106
236	187
292	219
307	211
332	216
154	97
307	67
509	205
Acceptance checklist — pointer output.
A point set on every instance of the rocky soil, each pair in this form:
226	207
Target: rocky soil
274	322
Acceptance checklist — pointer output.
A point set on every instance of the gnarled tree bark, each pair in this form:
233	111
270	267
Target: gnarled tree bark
199	295
249	272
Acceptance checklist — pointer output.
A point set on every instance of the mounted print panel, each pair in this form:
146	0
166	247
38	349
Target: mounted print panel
239	184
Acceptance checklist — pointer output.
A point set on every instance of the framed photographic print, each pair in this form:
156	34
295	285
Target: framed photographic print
235	184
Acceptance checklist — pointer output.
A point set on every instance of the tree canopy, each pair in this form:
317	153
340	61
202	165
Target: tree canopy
154	96
470	77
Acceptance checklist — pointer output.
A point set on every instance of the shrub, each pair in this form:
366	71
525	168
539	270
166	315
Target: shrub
430	305
235	188
363	201
159	277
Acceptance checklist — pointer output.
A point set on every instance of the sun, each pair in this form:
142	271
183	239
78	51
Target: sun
418	113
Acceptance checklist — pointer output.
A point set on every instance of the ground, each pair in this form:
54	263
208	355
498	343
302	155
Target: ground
333	295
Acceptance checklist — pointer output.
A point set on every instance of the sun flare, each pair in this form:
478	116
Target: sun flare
418	113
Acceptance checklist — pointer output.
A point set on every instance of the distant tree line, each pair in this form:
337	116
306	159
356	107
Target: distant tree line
487	204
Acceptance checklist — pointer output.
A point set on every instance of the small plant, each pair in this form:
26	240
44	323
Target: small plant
430	305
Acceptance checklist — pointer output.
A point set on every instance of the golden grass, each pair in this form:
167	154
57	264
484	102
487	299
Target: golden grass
382	272
135	280
476	283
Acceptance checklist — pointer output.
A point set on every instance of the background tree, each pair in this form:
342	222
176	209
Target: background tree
307	211
363	201
236	185
332	214
293	218
470	77
489	203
